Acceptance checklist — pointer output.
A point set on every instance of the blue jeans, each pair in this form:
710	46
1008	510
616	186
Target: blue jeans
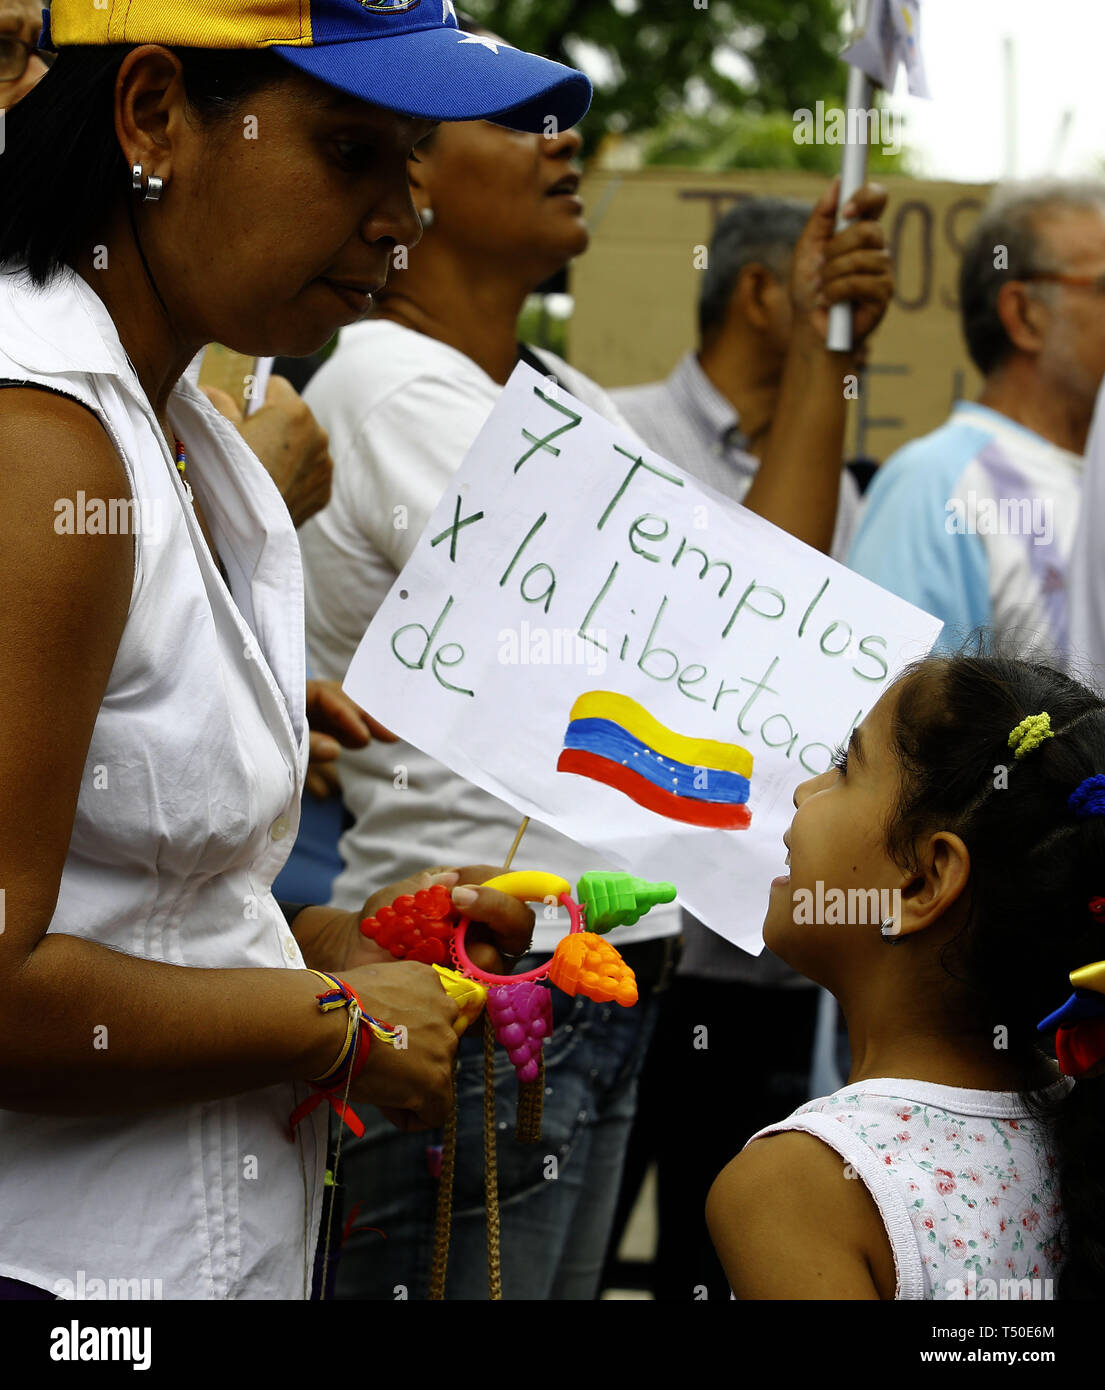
557	1197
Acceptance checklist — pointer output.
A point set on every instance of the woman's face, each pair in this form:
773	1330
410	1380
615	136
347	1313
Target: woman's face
836	840
503	196
301	187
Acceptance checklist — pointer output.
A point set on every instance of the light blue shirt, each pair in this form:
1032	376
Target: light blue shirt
974	523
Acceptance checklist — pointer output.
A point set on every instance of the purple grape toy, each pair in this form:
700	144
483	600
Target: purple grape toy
522	1016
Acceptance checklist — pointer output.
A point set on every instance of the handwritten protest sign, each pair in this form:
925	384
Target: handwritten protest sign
588	633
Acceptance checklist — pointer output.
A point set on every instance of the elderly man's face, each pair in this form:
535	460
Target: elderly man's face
1073	353
20	19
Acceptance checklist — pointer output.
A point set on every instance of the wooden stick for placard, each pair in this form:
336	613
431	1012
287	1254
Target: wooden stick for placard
517	842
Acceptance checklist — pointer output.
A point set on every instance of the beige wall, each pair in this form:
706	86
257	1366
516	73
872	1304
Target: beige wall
637	287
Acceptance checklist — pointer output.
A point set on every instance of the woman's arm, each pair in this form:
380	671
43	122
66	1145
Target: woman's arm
85	1029
790	1220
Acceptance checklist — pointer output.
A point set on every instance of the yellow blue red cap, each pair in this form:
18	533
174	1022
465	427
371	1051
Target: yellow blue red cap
407	55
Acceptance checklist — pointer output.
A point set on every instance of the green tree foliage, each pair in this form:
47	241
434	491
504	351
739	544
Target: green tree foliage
654	59
748	139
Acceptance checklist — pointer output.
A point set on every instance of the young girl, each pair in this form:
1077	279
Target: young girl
957	1156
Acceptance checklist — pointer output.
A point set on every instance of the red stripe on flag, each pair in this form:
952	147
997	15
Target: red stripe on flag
717	815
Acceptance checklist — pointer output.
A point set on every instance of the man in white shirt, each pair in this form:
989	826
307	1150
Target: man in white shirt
713	414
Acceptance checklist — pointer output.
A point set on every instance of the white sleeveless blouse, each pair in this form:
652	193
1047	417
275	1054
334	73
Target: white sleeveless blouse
188	808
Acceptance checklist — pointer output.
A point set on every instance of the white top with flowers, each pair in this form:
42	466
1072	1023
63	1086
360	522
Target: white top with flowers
965	1181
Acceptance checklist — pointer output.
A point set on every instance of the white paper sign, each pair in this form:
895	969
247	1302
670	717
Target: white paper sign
588	633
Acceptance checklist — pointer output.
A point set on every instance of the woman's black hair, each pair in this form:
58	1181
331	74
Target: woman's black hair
1035	866
62	169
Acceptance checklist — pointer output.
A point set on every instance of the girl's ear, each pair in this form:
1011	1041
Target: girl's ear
944	869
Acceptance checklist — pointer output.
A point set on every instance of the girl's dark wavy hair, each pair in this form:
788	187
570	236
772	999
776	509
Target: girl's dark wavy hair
62	169
1035	865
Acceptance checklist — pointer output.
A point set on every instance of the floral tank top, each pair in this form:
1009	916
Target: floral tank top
966	1183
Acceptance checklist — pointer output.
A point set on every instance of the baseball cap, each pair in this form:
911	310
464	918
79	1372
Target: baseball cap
407	55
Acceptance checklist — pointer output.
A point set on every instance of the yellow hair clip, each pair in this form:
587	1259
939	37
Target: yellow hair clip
1030	733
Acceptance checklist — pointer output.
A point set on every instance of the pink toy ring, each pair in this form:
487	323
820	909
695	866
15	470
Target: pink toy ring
475	973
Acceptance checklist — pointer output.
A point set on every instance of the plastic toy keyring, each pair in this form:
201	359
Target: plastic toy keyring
530	887
517	1011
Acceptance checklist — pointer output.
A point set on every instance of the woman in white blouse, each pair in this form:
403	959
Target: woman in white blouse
157	1027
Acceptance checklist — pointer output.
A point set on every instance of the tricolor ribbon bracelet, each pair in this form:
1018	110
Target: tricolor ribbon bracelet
1080	1024
361	1029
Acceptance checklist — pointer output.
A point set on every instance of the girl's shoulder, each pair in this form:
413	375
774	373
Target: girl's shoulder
789	1220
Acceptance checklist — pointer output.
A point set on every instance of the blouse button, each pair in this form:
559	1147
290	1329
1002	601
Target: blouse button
279	827
291	947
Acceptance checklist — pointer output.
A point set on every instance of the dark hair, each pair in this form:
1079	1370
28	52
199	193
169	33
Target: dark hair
1009	241
62	169
761	231
1035	865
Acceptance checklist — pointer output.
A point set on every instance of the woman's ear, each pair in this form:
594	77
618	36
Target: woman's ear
150	102
943	871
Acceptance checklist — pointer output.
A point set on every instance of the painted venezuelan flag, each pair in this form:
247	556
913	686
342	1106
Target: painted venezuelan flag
614	740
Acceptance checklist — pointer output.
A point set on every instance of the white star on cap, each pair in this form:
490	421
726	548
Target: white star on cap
479	38
447	10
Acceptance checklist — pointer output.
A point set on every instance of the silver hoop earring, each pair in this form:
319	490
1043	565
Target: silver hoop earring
891	932
154	185
426	218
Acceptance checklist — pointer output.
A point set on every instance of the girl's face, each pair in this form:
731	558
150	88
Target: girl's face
829	908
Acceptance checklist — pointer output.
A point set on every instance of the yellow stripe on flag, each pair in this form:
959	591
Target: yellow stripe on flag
636	720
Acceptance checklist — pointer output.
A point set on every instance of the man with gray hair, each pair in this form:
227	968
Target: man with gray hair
975	523
714	414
